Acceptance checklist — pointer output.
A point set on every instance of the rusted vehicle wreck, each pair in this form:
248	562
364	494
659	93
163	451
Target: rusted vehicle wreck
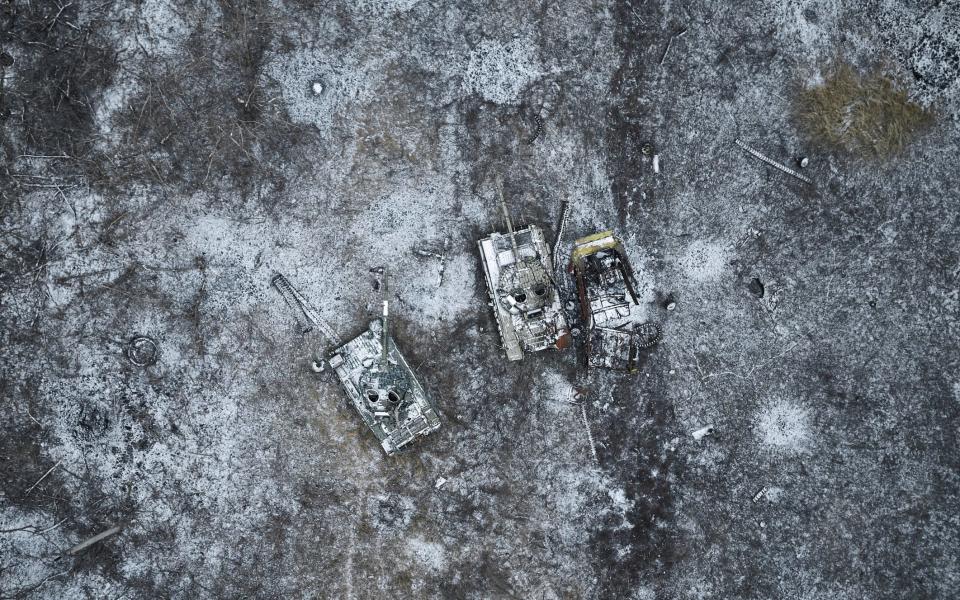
606	287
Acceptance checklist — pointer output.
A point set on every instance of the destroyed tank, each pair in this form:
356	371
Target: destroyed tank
376	377
606	287
383	387
518	269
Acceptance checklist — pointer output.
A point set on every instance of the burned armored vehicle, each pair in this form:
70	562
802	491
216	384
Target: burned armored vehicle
606	287
377	379
382	385
519	272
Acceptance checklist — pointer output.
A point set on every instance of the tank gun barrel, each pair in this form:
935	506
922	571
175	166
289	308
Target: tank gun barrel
385	340
506	217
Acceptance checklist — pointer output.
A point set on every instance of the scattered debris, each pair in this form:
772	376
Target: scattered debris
99	537
142	351
50	470
537	130
607	292
773	163
440	482
756	287
670	43
702	432
382	386
518	269
439	255
586	427
307	317
564	213
656	163
761	493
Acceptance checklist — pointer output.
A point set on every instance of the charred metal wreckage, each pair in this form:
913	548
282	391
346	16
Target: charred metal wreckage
606	287
518	269
376	377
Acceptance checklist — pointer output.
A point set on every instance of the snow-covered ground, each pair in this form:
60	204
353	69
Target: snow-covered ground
164	158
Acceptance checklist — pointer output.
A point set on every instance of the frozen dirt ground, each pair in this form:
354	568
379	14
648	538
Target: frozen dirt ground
161	159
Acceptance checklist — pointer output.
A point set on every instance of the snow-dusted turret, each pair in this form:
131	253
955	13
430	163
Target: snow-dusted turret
519	272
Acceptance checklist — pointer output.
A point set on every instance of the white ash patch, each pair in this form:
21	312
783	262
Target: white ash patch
784	426
499	72
429	554
705	261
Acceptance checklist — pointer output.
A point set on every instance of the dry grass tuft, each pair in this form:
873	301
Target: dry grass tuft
865	115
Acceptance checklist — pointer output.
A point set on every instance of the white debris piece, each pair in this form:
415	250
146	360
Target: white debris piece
440	482
656	163
702	432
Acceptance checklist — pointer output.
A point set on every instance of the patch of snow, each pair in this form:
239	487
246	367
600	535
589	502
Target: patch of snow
500	72
705	261
558	392
784	426
430	554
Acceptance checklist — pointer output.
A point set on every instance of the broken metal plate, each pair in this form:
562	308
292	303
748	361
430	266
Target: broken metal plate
525	300
388	395
606	288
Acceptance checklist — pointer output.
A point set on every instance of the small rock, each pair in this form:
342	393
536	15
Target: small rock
671	305
440	482
803	162
317	88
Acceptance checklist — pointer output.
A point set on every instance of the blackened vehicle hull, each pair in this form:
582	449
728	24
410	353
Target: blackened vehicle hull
606	288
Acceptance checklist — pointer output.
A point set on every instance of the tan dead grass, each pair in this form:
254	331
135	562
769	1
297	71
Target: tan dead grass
867	115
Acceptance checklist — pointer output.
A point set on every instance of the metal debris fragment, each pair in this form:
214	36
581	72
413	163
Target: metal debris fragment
518	269
607	291
656	163
702	432
142	351
586	426
773	163
538	129
382	386
670	43
761	493
307	317
439	255
564	213
440	482
99	537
